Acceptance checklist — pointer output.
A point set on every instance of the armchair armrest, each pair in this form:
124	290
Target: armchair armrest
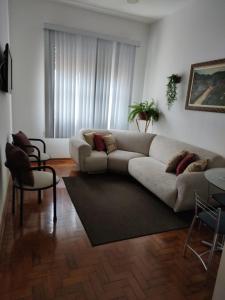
41	141
39	168
36	148
37	159
79	150
187	184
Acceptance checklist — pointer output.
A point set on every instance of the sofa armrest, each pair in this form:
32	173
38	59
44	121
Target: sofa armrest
187	184
79	150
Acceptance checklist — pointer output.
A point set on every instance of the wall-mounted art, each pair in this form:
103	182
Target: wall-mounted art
206	89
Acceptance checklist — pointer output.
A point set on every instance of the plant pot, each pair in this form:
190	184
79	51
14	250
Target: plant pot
143	116
176	78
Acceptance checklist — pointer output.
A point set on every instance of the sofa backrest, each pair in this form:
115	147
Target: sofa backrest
163	149
127	140
100	131
133	141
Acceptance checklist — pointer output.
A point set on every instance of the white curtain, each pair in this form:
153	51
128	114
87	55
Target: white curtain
103	83
122	85
88	83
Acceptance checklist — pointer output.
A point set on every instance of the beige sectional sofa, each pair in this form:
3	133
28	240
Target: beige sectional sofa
130	145
145	156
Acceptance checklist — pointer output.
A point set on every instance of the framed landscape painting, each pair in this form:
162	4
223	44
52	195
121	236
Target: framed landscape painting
206	89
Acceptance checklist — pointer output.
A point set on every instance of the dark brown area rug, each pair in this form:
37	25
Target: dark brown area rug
114	207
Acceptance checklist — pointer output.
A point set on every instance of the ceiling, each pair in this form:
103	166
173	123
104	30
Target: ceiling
145	10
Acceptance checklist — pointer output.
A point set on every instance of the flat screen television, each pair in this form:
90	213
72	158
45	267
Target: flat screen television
6	70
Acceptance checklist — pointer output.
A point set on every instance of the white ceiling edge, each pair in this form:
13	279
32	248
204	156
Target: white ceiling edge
56	27
107	11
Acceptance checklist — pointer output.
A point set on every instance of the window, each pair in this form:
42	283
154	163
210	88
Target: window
88	83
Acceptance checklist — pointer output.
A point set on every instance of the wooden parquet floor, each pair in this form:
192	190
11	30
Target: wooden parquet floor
40	261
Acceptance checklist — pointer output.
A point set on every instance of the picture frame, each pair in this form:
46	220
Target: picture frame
206	88
6	71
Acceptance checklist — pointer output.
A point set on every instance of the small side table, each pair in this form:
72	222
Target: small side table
216	177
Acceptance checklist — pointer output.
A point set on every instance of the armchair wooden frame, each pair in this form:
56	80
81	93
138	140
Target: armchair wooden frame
17	184
41	141
37	156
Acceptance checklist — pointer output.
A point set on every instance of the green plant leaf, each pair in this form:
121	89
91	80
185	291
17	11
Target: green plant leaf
171	90
147	107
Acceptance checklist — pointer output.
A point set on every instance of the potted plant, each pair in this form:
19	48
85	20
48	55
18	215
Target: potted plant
171	93
147	111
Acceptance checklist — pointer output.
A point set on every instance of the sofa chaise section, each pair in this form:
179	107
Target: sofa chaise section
151	173
175	191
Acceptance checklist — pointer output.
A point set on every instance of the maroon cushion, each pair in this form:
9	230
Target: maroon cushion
99	142
19	164
186	161
20	139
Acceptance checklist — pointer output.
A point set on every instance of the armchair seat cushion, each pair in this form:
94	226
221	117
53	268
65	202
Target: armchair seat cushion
43	157
42	180
118	160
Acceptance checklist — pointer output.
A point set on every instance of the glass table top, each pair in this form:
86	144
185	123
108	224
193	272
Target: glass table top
216	177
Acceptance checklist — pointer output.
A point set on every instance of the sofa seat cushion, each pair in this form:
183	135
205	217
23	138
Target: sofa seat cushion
151	173
118	160
96	162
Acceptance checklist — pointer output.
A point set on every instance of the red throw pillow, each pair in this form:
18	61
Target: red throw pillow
19	164
20	139
99	142
186	161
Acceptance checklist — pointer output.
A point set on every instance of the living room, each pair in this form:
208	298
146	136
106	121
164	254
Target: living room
167	37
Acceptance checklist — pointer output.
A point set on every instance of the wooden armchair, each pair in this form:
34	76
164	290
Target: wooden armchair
26	178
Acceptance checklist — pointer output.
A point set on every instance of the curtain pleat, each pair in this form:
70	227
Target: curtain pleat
49	82
103	82
88	83
75	60
122	85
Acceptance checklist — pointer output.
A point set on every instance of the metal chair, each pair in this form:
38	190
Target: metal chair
214	218
42	180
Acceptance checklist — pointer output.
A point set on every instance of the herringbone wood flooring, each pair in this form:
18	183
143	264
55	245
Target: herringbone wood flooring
42	262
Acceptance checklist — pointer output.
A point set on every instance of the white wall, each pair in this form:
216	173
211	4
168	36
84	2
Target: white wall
27	18
5	106
191	35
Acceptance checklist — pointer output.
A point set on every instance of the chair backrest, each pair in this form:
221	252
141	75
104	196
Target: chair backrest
17	161
212	212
